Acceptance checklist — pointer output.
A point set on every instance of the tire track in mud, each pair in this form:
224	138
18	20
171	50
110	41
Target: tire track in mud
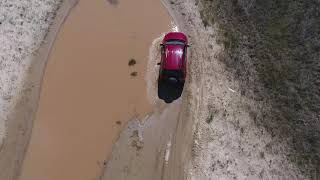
72	141
142	148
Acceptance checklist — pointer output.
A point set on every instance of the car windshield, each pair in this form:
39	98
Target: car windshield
174	42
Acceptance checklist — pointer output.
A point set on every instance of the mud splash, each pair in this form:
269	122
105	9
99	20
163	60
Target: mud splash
89	90
153	71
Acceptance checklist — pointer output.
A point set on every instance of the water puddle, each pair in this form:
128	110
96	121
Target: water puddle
89	89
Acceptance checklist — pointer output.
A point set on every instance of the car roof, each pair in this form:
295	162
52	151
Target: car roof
175	36
173	57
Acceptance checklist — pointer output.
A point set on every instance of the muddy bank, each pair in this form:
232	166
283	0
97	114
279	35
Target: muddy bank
93	84
24	26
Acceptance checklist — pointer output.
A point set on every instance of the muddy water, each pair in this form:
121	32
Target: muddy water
88	93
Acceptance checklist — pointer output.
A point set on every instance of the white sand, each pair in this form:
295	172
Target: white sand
25	45
23	28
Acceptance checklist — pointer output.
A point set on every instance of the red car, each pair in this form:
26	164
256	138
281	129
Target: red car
173	66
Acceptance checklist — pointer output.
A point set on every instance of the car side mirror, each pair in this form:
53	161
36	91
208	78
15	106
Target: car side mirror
158	63
161	45
188	45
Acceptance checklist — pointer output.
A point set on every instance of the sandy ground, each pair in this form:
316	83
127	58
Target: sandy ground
24	27
143	151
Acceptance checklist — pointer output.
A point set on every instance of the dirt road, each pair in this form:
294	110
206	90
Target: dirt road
224	126
218	134
147	149
93	84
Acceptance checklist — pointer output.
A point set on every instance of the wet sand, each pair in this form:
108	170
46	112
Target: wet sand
88	93
143	150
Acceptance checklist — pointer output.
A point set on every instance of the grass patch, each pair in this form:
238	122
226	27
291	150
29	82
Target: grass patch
272	47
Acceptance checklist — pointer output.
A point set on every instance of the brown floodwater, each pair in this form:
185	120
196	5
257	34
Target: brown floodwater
88	93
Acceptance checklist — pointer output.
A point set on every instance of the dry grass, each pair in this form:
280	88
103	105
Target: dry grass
272	48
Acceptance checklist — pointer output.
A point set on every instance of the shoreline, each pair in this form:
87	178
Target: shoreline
20	121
